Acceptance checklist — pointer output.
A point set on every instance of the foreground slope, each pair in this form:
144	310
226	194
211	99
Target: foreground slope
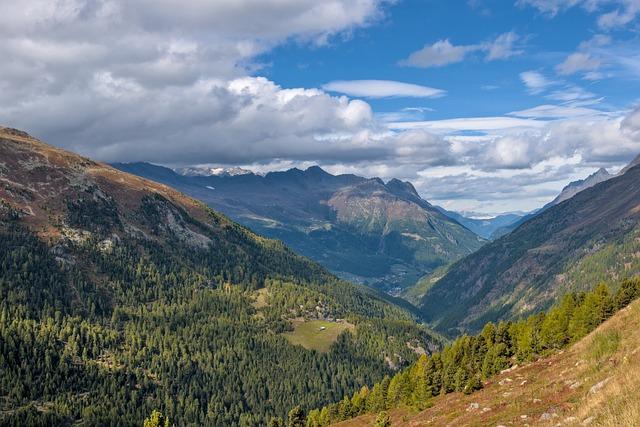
383	234
120	295
594	382
590	237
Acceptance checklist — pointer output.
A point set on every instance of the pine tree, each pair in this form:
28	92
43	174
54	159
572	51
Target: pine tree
383	420
156	419
296	417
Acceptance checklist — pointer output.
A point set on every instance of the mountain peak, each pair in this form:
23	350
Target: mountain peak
634	162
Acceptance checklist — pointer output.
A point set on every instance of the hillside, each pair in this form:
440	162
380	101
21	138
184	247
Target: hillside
570	246
365	230
132	297
594	382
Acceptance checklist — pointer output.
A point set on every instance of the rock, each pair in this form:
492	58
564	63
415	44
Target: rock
473	407
588	421
537	400
524	417
505	381
596	388
546	416
504	371
486	409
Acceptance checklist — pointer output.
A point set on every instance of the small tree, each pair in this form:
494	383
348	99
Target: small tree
276	422
383	420
296	417
156	420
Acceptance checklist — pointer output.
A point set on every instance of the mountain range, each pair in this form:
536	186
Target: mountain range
362	229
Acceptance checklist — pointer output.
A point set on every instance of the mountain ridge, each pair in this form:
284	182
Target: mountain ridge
362	229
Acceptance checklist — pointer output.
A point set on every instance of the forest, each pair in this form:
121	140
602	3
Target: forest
107	329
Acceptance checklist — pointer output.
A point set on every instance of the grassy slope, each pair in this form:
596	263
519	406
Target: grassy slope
310	335
594	382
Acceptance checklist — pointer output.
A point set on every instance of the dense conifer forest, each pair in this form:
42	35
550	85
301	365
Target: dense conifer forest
170	328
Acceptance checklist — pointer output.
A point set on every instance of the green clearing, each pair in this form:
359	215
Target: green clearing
311	336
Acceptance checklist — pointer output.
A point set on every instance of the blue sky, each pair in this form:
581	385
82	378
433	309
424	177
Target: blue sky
475	86
485	106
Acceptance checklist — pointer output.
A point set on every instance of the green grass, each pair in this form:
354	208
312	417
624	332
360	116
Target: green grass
310	335
603	346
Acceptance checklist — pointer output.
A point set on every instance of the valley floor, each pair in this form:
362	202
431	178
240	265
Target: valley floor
595	382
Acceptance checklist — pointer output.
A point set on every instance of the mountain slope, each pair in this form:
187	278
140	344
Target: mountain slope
121	295
590	236
366	230
567	192
594	382
575	187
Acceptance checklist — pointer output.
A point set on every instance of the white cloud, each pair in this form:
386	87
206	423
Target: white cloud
438	54
578	61
443	52
535	81
554	112
503	47
382	89
469	124
612	13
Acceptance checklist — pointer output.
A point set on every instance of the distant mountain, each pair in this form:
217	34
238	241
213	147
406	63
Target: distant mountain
635	162
120	295
483	227
567	192
577	186
211	171
590	237
365	230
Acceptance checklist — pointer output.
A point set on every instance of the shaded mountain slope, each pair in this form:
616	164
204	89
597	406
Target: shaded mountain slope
362	229
593	234
120	295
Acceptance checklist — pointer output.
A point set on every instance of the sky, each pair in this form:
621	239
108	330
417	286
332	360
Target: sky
486	106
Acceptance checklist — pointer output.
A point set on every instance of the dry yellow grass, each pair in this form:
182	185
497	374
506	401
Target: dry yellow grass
596	382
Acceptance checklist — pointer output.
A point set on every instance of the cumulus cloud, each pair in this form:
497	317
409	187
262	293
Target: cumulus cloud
176	83
382	89
443	52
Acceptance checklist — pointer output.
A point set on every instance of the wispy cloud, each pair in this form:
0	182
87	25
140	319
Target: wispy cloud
382	89
623	13
443	52
535	81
